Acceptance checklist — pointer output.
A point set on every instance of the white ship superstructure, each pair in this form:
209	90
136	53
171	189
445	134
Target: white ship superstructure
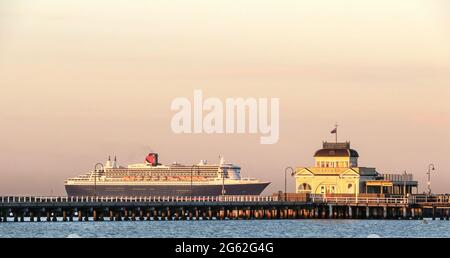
152	179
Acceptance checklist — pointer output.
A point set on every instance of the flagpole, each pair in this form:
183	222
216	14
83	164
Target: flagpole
336	132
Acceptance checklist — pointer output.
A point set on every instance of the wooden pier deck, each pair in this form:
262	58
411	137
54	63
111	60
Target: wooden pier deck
156	208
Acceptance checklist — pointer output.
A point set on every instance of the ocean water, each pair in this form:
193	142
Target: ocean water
230	229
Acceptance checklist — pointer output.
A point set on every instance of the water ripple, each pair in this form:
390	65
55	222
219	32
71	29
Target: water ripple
230	229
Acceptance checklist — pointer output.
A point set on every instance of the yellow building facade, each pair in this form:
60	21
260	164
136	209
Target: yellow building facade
336	171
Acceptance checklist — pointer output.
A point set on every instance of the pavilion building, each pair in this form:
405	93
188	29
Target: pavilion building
336	171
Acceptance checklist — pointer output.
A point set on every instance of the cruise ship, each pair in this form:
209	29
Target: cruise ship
154	179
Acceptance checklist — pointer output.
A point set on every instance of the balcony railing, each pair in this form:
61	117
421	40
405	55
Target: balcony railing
311	198
137	199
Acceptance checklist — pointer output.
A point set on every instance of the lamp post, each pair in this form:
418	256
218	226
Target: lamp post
430	168
223	181
285	180
95	176
405	175
192	170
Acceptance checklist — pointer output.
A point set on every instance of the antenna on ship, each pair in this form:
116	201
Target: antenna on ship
115	162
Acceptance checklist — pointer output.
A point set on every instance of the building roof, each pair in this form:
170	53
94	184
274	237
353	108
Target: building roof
339	149
336	153
379	183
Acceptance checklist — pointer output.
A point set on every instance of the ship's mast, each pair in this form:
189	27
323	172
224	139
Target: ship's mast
223	173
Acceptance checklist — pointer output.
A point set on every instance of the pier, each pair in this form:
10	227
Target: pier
159	208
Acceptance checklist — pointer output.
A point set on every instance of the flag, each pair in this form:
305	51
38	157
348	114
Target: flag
334	130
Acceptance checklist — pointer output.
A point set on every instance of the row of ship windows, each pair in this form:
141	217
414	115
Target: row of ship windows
155	172
159	174
170	169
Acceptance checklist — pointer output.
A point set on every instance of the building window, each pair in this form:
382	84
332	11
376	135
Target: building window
333	189
322	189
304	188
350	188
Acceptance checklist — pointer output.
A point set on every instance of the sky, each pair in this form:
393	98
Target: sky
81	80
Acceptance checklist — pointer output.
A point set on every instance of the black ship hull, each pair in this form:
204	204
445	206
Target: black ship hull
165	190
